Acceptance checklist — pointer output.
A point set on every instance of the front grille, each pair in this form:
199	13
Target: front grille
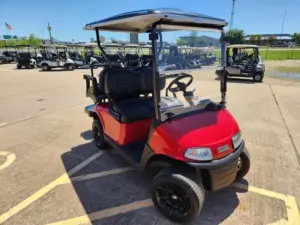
223	176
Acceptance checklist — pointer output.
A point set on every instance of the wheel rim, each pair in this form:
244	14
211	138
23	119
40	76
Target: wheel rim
97	135
70	67
257	77
45	67
173	199
240	164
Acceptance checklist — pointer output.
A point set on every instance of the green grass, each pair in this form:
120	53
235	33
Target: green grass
280	54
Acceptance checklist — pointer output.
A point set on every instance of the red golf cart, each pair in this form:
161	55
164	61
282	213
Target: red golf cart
155	121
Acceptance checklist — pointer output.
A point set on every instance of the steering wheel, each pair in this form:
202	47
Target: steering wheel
180	86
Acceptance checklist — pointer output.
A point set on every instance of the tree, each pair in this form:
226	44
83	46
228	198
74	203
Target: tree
114	40
102	38
252	39
194	37
181	42
271	39
296	38
33	40
235	36
258	39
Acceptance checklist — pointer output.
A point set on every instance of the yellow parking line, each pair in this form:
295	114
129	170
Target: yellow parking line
105	213
10	158
40	193
290	203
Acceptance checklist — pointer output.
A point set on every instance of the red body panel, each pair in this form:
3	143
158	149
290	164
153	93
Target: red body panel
123	134
210	129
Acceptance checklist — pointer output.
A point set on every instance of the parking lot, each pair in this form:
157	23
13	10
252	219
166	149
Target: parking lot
51	173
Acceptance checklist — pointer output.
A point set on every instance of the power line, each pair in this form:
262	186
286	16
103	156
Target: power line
232	14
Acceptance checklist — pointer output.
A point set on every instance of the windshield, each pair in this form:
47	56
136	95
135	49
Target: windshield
188	66
131	50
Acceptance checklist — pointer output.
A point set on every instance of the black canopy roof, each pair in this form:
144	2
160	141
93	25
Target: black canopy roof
169	19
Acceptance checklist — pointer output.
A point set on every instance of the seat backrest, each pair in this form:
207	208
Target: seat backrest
122	83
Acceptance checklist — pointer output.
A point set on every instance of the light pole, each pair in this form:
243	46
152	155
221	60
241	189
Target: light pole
232	14
283	22
49	28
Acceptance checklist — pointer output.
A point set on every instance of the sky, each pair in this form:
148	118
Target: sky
68	18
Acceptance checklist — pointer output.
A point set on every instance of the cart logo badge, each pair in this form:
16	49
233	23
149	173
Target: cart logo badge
223	148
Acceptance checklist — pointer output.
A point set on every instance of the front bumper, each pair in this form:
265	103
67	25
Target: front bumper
89	110
219	173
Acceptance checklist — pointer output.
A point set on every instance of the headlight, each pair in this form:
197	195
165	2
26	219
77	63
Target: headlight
203	154
237	139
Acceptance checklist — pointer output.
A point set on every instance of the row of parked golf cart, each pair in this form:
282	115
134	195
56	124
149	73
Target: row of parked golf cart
71	57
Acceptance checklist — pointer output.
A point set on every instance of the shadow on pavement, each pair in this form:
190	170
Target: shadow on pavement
239	80
87	135
123	198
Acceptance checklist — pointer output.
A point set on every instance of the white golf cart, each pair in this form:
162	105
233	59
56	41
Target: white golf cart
244	61
57	57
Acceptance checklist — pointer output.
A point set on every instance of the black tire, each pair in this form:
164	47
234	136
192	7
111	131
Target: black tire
192	202
244	164
258	77
19	67
71	67
46	67
98	134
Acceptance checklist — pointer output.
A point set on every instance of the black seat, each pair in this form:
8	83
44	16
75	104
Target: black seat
124	88
132	110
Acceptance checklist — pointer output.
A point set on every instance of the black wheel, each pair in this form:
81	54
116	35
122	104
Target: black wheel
19	67
98	134
46	67
32	67
177	196
243	164
258	77
71	67
27	67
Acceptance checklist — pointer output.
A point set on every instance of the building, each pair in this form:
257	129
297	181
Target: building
284	38
200	41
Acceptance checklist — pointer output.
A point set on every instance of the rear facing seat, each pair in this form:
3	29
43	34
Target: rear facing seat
124	87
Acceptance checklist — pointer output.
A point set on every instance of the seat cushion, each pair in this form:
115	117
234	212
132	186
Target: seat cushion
132	110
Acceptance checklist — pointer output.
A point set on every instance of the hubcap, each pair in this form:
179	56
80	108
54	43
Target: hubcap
257	77
173	199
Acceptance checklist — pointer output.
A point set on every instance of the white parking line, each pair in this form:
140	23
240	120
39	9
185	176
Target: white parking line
101	174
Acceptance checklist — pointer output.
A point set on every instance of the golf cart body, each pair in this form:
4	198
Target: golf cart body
154	119
244	61
10	54
26	56
132	58
146	54
75	55
56	56
115	53
89	54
